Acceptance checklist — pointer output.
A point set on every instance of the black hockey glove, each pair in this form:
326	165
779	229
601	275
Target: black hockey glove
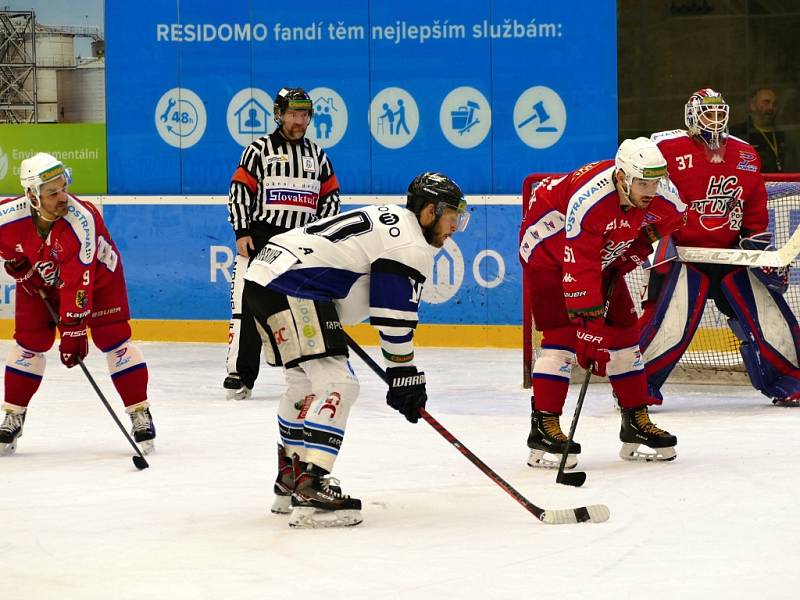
406	391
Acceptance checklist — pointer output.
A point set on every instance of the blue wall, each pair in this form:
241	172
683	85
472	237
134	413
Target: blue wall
174	70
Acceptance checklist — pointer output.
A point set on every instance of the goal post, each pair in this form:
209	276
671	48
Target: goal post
713	355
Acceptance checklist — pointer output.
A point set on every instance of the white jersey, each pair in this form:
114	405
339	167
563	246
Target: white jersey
372	262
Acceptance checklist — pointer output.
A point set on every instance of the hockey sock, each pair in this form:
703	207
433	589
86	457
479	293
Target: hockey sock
128	373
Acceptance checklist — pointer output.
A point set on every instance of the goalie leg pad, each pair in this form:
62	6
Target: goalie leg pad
769	334
669	325
335	388
552	369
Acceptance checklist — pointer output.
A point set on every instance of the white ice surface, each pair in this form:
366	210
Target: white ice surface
79	522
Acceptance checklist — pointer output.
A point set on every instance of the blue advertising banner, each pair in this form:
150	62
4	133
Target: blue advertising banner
181	268
486	91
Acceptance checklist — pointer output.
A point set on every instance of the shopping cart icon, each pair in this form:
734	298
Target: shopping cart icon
463	118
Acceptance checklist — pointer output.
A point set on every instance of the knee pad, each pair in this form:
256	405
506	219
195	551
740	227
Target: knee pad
335	388
109	336
292	410
124	358
26	362
625	362
554	362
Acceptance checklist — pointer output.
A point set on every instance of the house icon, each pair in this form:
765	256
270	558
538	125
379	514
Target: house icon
323	117
252	118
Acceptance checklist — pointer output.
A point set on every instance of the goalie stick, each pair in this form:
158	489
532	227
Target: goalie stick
781	257
595	513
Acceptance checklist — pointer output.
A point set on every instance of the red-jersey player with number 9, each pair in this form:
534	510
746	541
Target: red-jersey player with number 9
58	244
581	233
719	177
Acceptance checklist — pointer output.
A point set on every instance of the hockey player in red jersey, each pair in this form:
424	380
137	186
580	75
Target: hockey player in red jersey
719	177
581	233
56	243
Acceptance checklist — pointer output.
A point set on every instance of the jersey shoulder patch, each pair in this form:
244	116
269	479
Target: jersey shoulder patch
14	209
81	220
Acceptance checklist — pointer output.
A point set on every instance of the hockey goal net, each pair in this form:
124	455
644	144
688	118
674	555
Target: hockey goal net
713	355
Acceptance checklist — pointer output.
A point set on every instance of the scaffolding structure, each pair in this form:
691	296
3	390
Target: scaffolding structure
18	67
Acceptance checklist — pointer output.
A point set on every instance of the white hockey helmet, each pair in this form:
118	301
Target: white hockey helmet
39	169
640	158
706	116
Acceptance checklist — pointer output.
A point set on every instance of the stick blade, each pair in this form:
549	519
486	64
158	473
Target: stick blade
140	463
575	479
596	513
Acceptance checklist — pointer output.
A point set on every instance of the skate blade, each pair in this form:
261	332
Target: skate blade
147	447
282	505
311	518
539	459
243	393
630	451
8	449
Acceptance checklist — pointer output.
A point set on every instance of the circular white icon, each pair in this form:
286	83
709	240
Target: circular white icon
465	117
393	117
3	164
329	124
447	275
249	115
180	118
540	117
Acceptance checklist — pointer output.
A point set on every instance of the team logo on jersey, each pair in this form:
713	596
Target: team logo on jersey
746	161
613	250
291	197
49	272
722	205
81	299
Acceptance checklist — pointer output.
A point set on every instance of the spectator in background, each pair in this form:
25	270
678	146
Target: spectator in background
760	131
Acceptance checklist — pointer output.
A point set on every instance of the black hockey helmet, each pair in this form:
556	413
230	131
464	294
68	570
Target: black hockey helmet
291	99
438	189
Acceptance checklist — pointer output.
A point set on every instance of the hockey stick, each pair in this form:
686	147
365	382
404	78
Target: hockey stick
596	513
578	478
139	460
781	257
574	478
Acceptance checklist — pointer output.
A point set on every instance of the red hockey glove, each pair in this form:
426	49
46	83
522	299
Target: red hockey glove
592	340
74	343
27	278
406	391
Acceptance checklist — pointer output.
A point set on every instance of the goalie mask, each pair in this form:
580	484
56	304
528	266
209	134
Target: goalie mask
443	192
38	170
291	99
706	117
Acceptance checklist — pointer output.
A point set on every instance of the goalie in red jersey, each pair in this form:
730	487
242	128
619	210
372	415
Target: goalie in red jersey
57	244
719	177
580	233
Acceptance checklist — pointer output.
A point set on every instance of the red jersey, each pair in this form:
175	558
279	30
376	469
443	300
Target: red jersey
575	223
76	259
725	199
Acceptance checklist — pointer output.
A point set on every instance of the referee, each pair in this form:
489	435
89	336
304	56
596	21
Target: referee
283	181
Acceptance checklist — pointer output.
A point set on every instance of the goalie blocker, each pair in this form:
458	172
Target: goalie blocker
758	316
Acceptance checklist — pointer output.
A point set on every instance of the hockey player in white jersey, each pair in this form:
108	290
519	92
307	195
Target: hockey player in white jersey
366	263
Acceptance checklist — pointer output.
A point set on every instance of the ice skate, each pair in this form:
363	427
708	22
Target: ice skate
10	432
318	502
547	442
792	401
143	429
637	429
284	483
235	389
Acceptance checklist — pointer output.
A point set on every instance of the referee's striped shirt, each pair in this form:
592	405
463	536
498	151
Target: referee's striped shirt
281	183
